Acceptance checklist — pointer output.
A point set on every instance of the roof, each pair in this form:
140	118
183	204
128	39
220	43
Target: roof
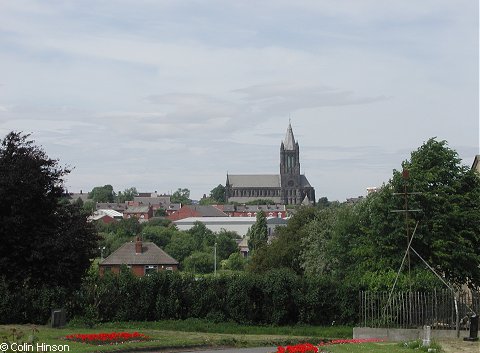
151	255
289	142
137	209
153	200
206	210
229	220
111	205
254	181
78	195
256	208
97	217
111	213
304	181
476	163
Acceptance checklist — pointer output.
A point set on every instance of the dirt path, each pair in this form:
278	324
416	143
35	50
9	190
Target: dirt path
460	346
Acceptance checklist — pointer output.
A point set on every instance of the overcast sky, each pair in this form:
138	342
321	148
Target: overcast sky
167	94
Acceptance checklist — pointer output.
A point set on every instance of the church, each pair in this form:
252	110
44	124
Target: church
289	187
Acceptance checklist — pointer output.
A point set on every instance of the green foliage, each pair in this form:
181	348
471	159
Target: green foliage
226	244
202	236
181	196
126	195
181	245
357	241
260	202
258	233
235	262
123	228
277	297
199	262
207	201
102	194
161	236
160	212
218	194
284	250
44	240
89	206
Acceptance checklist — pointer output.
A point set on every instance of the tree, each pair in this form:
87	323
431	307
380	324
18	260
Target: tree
181	196
127	195
218	194
235	262
258	233
181	245
44	241
285	248
102	194
161	236
202	236
370	238
199	262
226	244
449	225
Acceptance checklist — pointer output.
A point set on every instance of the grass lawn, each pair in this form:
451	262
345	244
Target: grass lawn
199	333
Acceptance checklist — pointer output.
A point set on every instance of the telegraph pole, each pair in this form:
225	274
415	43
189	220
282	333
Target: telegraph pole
406	211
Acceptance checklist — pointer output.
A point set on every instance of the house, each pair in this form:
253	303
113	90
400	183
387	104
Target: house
142	213
243	247
141	257
104	218
74	196
196	211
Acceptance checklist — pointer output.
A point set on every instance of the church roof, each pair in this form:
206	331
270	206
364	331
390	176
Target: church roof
304	181
254	181
289	142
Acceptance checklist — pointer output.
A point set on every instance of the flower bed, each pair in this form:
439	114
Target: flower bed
107	338
308	347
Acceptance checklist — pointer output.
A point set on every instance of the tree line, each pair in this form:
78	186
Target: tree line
48	245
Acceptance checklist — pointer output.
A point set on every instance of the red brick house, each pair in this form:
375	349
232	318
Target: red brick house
141	257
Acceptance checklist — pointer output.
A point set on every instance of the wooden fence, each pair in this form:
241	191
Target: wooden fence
416	309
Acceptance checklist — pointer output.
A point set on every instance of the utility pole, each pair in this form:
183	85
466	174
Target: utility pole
406	211
215	259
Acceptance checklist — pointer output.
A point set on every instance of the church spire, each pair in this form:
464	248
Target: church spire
289	142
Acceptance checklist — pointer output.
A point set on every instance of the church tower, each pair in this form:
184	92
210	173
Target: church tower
290	169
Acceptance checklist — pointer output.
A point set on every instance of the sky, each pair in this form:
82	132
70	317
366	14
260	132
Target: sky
168	94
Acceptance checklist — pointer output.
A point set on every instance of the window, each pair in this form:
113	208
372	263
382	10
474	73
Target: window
107	269
169	268
150	269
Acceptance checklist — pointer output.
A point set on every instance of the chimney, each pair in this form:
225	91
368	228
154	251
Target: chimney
138	246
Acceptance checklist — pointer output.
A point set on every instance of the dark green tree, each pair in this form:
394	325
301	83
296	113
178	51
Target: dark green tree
285	248
181	196
102	194
370	238
258	233
127	195
202	236
44	241
218	194
181	245
226	244
199	262
448	235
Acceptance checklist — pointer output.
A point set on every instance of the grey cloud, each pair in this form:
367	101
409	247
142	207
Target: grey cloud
287	97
